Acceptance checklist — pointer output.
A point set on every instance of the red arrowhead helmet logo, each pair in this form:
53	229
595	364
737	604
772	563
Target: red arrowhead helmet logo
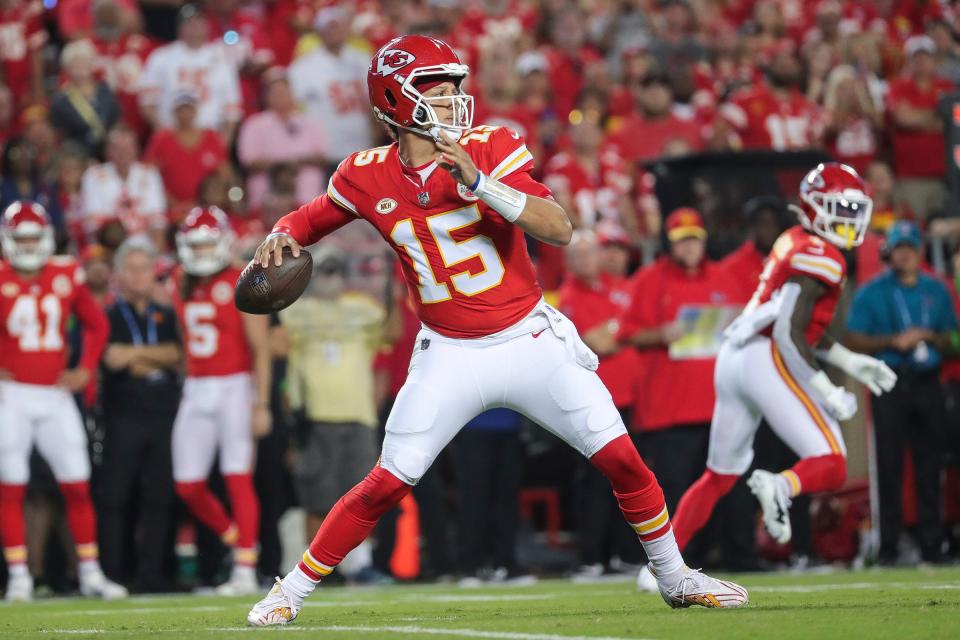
392	60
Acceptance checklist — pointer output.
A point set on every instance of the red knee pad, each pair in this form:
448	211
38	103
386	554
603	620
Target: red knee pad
376	494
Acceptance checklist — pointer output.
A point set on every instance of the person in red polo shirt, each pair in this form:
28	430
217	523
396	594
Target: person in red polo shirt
594	299
675	317
918	147
765	217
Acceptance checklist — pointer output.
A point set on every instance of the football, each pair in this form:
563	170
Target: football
262	290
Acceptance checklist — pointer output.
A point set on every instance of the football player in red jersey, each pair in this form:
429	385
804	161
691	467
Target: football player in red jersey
768	367
38	294
454	201
223	408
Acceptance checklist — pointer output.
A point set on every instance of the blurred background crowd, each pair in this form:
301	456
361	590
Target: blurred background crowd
657	124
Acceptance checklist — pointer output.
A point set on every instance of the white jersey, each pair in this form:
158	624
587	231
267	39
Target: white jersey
138	201
207	70
332	90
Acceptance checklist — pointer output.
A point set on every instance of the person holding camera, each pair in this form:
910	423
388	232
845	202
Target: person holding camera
906	317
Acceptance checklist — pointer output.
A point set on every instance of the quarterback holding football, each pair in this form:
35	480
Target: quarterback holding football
454	201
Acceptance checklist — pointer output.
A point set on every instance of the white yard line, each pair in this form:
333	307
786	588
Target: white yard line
478	598
849	585
429	631
73	631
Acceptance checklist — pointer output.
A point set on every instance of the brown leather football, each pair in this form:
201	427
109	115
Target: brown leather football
265	290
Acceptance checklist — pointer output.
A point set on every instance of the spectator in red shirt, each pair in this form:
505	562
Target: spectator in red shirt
122	54
918	146
674	400
185	155
852	119
567	59
766	219
645	134
775	114
21	48
594	300
245	43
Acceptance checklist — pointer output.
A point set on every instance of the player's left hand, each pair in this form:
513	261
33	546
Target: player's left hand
453	157
261	421
873	373
74	380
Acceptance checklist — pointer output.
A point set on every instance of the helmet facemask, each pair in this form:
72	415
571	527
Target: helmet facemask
424	113
28	258
841	218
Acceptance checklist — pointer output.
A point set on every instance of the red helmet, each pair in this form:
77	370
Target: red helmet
404	67
834	204
205	241
26	221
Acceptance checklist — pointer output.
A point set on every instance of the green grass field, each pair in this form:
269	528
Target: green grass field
873	604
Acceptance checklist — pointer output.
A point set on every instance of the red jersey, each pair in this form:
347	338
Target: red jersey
917	153
33	321
799	253
598	194
745	265
589	307
763	121
674	391
466	267
184	168
120	63
639	139
21	36
212	327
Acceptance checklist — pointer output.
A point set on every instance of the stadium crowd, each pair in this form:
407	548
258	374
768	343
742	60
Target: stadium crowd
119	117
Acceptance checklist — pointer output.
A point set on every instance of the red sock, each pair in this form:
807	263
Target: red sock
80	518
697	504
822	473
635	487
351	520
204	505
12	531
246	513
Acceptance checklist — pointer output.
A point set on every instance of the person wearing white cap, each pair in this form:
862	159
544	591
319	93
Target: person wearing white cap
329	83
918	145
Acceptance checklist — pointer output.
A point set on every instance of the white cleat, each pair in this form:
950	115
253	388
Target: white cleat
696	588
277	608
775	503
646	582
98	585
242	582
19	588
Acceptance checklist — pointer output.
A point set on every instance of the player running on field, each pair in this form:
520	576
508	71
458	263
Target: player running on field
768	368
38	294
223	407
454	201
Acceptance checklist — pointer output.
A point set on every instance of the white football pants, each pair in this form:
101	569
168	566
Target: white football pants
538	367
45	416
214	416
753	383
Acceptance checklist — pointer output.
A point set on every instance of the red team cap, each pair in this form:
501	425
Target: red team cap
685	222
403	69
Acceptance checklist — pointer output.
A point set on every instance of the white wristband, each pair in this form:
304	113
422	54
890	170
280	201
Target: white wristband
506	201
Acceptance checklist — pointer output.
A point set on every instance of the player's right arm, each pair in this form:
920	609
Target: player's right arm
799	295
306	225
